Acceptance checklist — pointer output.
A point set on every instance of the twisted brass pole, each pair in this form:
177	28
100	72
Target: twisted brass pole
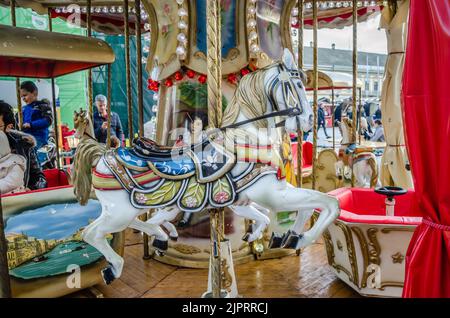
137	7
355	72
89	34
55	114
19	101
214	76
108	133
128	69
300	66
315	86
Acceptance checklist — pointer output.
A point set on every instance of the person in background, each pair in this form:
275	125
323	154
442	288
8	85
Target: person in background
36	114
22	144
378	134
321	120
12	168
101	123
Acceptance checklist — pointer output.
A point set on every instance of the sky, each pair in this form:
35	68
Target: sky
370	39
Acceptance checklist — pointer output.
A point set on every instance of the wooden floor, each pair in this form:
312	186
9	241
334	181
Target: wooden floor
292	276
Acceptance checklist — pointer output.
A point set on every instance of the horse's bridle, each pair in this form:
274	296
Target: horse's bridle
290	94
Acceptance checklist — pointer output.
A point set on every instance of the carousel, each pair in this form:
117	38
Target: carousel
223	189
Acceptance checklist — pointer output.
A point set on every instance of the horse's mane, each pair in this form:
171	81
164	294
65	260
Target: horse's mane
248	98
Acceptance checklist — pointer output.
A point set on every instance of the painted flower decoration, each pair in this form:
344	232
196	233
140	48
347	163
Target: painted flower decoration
221	197
210	161
140	198
191	202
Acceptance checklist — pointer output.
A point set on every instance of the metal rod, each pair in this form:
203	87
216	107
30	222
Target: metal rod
19	100
300	66
128	69
5	283
137	7
360	114
333	118
55	114
214	86
145	238
108	133
89	34
355	73
315	86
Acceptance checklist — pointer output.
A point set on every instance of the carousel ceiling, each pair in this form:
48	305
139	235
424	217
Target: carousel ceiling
43	54
107	15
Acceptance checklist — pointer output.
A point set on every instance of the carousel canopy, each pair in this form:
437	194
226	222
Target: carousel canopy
43	54
331	80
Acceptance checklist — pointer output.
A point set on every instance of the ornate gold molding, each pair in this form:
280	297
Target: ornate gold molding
186	249
365	252
399	229
374	252
397	258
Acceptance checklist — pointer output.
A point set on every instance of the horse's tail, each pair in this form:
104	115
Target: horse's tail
87	155
372	161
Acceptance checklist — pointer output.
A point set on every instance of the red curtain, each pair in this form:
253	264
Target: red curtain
426	111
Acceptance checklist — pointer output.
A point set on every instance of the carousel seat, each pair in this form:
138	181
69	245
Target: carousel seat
208	160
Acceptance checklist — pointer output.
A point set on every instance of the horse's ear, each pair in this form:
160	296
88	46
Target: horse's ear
289	60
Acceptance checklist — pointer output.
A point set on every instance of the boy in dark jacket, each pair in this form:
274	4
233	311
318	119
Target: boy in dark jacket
37	115
22	144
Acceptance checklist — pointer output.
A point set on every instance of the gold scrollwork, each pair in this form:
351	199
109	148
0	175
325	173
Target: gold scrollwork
365	252
186	249
339	245
374	246
351	251
227	279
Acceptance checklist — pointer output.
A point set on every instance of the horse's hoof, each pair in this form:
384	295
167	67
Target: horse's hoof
159	253
275	240
246	237
173	238
108	276
160	244
291	240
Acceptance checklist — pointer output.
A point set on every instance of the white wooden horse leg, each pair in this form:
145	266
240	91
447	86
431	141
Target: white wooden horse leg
96	237
163	217
250	212
362	173
160	242
277	196
300	222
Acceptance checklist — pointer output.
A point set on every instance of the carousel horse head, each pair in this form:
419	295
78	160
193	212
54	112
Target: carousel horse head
346	127
276	87
82	123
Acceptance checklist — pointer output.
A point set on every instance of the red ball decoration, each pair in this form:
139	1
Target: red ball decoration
168	82
154	87
178	76
244	71
232	78
190	74
202	79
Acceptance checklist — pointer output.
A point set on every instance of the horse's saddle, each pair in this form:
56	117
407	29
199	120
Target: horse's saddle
354	153
207	160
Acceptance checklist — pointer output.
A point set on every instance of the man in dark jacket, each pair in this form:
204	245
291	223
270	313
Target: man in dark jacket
321	119
22	144
37	115
101	123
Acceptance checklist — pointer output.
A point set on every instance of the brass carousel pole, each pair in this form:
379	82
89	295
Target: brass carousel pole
214	76
315	86
137	28
355	72
89	33
360	114
128	69
55	114
19	102
300	66
108	133
332	117
5	284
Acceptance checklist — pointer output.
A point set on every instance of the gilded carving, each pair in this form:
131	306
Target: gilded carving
339	245
397	258
186	249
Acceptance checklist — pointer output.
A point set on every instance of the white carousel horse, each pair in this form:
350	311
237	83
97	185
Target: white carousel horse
359	162
275	88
